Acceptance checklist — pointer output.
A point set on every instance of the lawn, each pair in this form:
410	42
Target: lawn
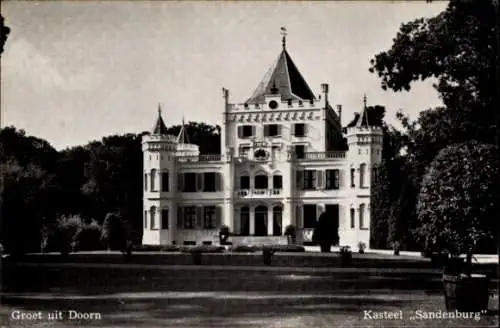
198	296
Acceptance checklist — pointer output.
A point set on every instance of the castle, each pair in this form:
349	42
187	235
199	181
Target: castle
283	161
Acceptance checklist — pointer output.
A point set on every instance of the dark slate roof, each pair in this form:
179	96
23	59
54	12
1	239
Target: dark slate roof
363	121
160	127
282	78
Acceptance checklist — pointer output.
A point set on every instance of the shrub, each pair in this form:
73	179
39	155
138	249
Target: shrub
291	233
244	249
116	232
325	233
88	237
361	247
60	237
458	201
203	249
284	248
156	248
224	233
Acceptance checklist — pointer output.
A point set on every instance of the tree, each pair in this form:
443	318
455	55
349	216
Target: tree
459	49
325	232
4	32
206	136
115	232
458	201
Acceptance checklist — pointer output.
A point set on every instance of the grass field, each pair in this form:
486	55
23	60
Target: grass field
141	295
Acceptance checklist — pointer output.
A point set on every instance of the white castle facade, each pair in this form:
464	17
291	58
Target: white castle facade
283	162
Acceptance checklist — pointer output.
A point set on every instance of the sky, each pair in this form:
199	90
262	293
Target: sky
75	71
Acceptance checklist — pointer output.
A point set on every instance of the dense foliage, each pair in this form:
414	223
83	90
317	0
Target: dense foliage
54	200
325	233
458	201
458	48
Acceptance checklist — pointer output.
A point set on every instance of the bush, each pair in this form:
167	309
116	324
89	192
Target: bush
244	249
88	237
224	233
284	248
61	236
116	232
203	249
458	201
361	247
156	248
325	233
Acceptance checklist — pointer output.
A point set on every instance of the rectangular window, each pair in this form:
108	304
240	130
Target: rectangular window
299	130
245	182
277	182
145	219
300	151
309	179
353	172
209	217
190	217
145	182
164	219
246	131
164	182
209	182
353	218
189	182
309	216
271	130
332	179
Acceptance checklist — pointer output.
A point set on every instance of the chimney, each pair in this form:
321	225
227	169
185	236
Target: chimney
339	112
324	89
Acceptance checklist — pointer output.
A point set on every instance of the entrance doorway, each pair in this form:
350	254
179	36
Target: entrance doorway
261	221
245	221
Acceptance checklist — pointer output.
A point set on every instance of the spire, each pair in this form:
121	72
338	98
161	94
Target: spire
183	136
160	127
283	39
283	76
363	121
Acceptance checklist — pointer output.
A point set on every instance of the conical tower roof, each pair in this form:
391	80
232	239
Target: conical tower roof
282	78
160	127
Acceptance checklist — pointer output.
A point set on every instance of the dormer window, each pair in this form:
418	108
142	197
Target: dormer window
245	105
273	104
311	101
300	103
289	102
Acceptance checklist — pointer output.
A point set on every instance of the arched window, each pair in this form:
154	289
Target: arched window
362	216
245	221
362	172
153	180
152	216
353	218
261	181
277	220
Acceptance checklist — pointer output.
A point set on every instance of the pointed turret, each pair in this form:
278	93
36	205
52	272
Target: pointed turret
160	127
363	121
183	137
282	78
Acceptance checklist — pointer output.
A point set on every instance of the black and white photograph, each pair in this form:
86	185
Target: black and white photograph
248	164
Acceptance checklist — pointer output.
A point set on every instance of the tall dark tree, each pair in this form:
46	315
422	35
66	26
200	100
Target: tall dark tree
4	32
206	136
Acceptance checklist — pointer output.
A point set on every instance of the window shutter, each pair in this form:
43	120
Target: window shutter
300	180
145	182
279	129
253	130
240	131
293	129
319	179
266	130
219	180
199	181
180	181
305	129
298	216
336	179
180	215
199	216
218	216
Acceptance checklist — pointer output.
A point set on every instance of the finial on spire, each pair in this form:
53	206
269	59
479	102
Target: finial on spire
159	109
283	40
364	100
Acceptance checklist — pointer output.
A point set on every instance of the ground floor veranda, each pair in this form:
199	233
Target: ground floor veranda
261	221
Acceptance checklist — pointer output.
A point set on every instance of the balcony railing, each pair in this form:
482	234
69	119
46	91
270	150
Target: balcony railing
200	158
323	155
257	193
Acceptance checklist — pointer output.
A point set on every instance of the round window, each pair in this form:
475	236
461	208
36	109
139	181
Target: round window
273	104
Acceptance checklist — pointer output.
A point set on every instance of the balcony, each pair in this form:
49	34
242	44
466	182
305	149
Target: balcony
258	193
323	155
200	158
